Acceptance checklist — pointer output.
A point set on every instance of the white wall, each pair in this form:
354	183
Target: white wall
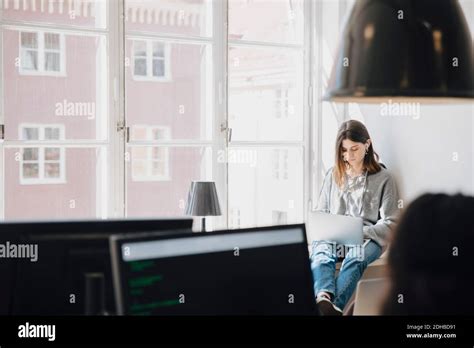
421	151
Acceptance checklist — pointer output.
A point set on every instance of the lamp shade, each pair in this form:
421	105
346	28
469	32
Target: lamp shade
403	49
203	199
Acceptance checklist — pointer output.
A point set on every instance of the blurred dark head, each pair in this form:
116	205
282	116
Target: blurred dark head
431	259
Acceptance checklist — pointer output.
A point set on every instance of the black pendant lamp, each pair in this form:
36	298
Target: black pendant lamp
404	49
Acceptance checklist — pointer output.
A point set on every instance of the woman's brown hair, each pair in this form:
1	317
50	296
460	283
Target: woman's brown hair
357	132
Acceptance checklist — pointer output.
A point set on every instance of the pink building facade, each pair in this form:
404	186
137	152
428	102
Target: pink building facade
55	72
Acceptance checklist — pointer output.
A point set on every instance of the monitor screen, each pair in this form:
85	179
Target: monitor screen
66	254
260	271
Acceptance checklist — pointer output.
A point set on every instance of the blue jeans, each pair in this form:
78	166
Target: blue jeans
323	264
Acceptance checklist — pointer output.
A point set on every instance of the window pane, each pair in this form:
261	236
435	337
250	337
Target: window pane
140	67
30	133
30	154
158	153
90	13
139	48
82	193
29	60
158	168
139	152
190	17
257	196
51	154
257	77
158	68
139	167
30	170
158	49
51	41
150	163
184	104
77	100
29	40
51	170
153	195
53	182
138	133
52	61
278	21
159	134
51	133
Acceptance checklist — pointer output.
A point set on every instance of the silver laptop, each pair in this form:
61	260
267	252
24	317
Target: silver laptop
335	228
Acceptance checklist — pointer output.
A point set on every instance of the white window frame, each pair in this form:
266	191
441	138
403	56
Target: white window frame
42	180
41	51
149	155
149	61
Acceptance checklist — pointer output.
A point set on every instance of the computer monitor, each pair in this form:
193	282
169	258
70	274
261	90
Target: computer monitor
255	271
68	252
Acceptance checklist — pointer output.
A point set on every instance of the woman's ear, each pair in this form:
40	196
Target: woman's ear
367	144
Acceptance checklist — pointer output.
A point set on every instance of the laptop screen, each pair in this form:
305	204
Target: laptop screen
261	271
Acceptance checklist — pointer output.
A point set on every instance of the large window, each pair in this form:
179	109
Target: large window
109	119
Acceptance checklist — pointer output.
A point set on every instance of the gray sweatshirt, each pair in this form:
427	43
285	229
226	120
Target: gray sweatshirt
380	195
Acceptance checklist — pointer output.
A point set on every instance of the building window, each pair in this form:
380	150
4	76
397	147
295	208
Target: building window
280	164
42	165
42	53
282	107
234	218
150	163
151	60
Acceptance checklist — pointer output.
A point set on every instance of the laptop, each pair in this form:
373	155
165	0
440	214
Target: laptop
341	229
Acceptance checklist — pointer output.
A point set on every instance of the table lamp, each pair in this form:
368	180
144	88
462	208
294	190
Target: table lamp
203	201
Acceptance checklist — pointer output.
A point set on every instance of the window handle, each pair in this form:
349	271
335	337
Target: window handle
122	127
228	131
2	131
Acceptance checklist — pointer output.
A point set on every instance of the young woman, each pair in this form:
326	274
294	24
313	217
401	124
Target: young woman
358	186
